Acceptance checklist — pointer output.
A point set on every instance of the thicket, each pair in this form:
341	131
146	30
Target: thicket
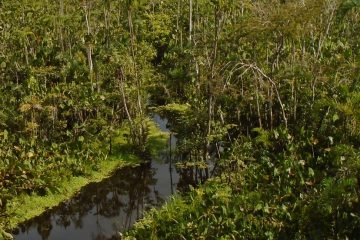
72	73
275	84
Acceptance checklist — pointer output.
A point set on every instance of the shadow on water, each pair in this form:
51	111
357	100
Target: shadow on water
188	176
102	210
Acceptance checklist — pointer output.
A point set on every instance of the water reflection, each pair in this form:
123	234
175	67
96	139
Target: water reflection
104	209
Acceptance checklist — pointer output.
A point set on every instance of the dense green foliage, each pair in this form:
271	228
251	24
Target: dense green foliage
71	74
275	83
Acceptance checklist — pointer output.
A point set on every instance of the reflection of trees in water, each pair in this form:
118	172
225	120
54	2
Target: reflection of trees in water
191	170
191	176
126	194
45	228
124	197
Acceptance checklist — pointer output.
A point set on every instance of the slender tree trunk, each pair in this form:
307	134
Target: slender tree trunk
258	104
133	55
190	20
177	22
106	21
89	47
26	52
120	77
322	38
61	13
271	108
211	103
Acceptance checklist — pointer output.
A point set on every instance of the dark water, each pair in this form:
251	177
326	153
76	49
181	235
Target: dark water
101	210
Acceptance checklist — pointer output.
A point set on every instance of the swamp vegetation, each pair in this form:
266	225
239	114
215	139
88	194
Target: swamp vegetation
267	89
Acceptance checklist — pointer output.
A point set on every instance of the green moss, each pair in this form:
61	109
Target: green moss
25	207
174	108
157	140
177	107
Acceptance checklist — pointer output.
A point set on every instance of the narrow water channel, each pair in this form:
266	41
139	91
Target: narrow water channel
101	210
